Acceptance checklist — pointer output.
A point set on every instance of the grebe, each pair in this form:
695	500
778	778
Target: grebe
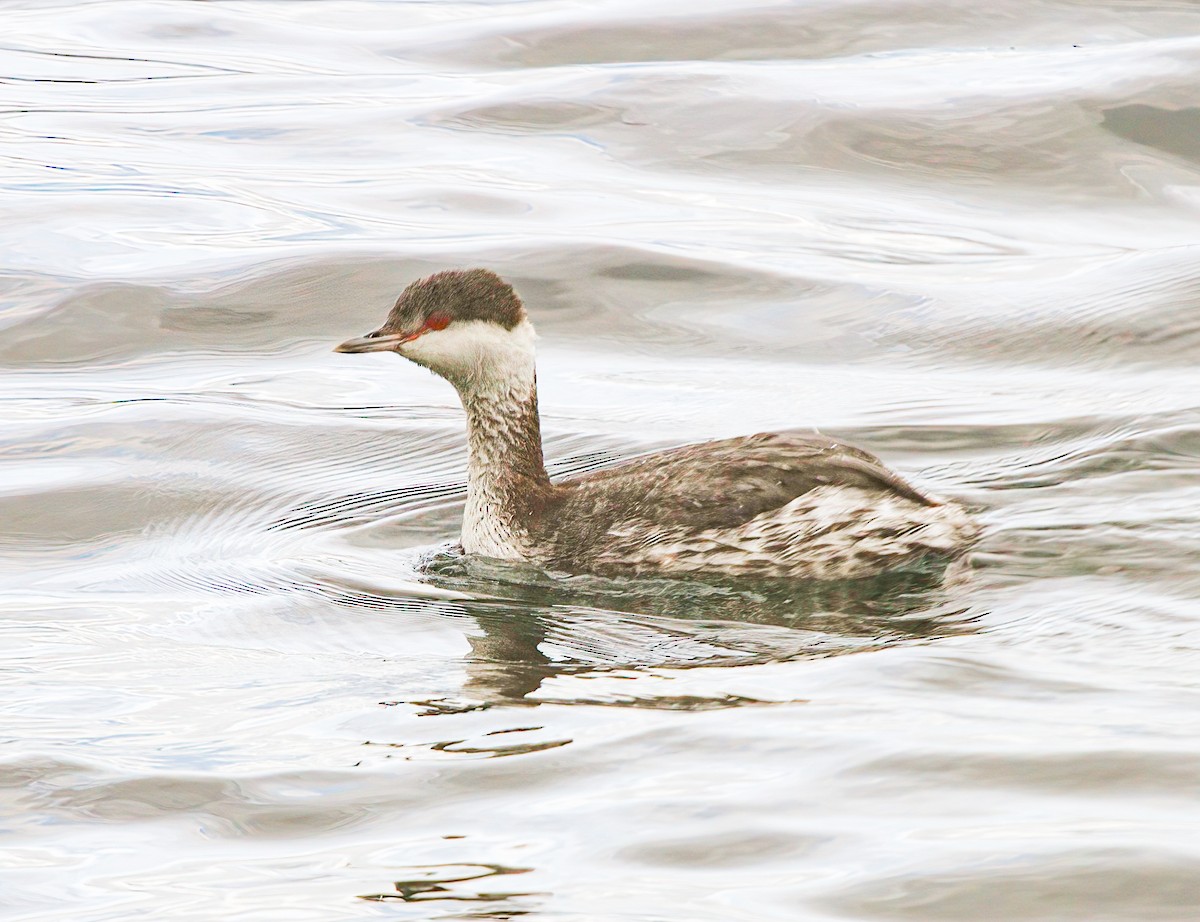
776	504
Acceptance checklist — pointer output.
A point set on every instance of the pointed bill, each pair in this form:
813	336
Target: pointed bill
373	342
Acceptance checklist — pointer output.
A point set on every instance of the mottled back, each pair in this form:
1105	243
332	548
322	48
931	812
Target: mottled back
711	488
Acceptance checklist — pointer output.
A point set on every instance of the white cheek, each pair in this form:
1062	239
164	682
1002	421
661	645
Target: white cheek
477	354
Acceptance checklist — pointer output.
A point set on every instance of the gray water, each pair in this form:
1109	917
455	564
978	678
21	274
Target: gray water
241	680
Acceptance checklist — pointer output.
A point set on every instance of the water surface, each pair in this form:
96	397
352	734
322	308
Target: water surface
239	681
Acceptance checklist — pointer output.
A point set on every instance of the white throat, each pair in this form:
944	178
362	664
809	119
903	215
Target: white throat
479	358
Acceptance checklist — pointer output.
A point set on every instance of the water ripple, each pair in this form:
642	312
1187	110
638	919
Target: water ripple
245	672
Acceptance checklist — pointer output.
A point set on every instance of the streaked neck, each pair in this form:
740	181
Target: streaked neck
506	474
504	438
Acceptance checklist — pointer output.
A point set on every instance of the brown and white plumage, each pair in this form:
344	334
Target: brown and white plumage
771	505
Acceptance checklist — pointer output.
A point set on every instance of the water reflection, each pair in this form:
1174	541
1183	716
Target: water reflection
548	626
423	884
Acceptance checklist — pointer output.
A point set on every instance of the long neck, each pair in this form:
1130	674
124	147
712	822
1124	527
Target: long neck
506	475
492	368
504	440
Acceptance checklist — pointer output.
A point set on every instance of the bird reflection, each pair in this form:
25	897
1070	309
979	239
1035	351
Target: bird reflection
545	626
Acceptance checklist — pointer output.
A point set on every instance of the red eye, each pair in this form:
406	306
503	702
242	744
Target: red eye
437	321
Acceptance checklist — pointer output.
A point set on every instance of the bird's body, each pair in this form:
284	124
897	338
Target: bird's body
772	505
769	505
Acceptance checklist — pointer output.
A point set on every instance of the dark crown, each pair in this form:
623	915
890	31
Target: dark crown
460	294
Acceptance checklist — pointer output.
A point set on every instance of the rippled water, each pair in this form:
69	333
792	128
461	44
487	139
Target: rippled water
240	683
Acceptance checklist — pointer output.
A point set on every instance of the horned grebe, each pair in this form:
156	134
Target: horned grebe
776	504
